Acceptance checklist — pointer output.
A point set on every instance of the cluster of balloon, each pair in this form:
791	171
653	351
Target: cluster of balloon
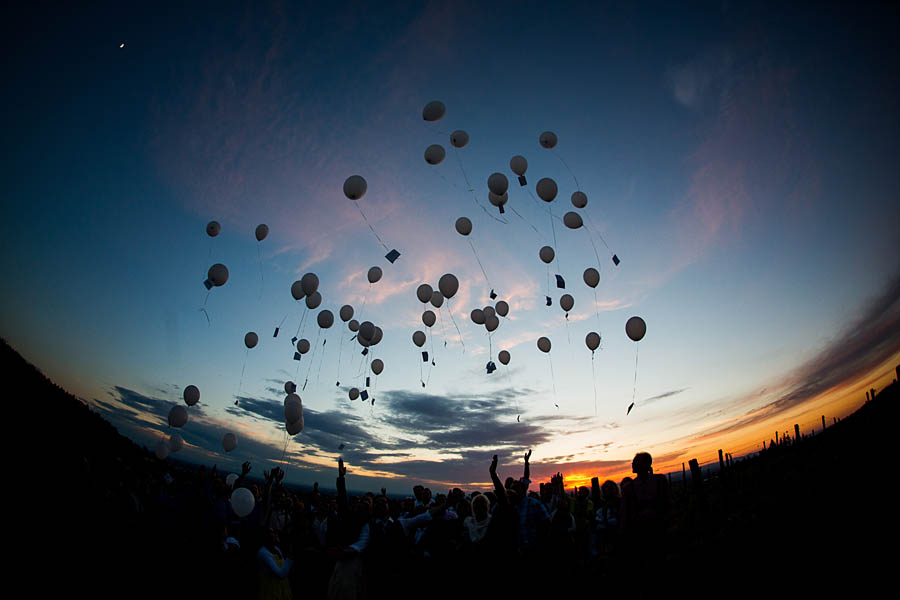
293	414
635	329
489	318
355	188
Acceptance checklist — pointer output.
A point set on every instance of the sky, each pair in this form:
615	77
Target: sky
741	161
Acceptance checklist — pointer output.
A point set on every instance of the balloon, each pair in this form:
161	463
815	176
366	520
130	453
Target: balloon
579	199
592	277
635	328
178	416
502	308
548	139
364	342
295	427
434	154
346	313
374	275
354	393
478	316
459	138
488	312
547	254
325	319
293	408
367	330
303	345
437	299
377	366
313	300
229	442
518	164
463	226
251	339
491	323
191	395
566	302
448	284
496	200
419	338
355	187
162	449
592	340
572	220
498	183
176	442
503	357
434	111
310	283
297	290
546	189
229	481
428	318
424	292
213	228
261	232
242	502
353	325
289	387
218	274
376	339
543	344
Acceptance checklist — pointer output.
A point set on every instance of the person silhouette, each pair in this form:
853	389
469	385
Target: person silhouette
644	516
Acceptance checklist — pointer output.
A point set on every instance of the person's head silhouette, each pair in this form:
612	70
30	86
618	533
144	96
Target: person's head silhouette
641	465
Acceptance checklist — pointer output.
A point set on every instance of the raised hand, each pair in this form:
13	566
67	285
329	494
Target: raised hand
245	468
342	470
279	474
383	492
493	469
528	455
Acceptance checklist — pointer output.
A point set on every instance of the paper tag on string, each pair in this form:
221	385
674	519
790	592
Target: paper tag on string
522	180
549	301
615	260
364	395
297	356
560	282
208	284
276	332
493	295
424	357
392	256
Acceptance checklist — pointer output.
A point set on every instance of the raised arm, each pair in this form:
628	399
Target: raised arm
498	485
343	506
527	478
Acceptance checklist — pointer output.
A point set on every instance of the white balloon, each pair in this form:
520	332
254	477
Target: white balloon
547	254
162	449
261	232
463	226
213	228
251	339
376	339
635	328
496	200
218	274
293	408
579	199
303	345
367	330
346	313
176	442
498	183
434	111
229	442
418	338
518	164
325	319
178	416
566	302
459	138
374	275
592	277
502	308
313	300
572	220
428	318
548	139
546	189
424	292
355	187
449	285
377	366
297	290
354	393
229	481
437	299
491	323
543	344
477	316
489	312
592	340
295	427
242	502
191	395
353	325
434	154
503	357
310	283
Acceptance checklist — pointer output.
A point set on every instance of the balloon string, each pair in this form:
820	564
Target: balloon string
559	156
593	245
421	378
312	359
490	347
472	190
241	381
208	322
634	389
340	353
461	341
322	360
594	379
370	227
555	246
553	380
488	281
206	299
597	305
431	364
515	396
302	318
599	235
261	279
548	280
286	440
441	319
512	208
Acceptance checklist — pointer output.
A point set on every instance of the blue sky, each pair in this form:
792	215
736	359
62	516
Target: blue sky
740	160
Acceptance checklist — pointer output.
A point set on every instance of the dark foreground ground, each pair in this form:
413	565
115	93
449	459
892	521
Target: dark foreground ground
813	518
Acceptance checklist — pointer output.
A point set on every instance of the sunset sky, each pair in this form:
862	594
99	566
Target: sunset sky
741	159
